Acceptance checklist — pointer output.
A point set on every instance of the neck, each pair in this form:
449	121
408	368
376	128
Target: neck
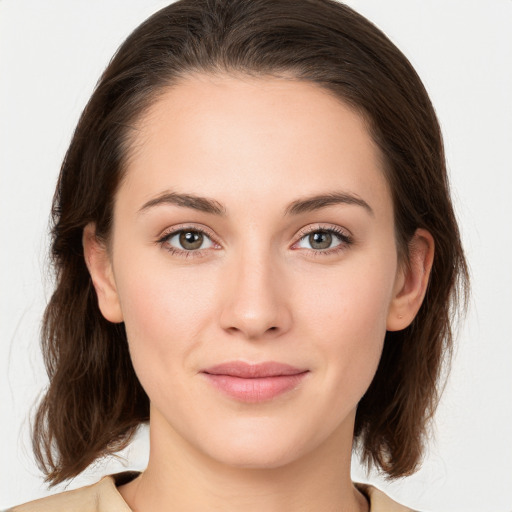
180	475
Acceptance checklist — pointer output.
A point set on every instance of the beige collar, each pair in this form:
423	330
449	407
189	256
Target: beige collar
104	496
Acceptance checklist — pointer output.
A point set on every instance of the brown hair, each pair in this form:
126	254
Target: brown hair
94	402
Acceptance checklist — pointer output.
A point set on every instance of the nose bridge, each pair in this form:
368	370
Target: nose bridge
255	304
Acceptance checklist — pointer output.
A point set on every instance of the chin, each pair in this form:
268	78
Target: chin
257	458
259	448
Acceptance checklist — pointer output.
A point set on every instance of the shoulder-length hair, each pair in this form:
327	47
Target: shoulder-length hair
94	402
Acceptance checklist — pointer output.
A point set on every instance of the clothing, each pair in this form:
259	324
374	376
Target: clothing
103	496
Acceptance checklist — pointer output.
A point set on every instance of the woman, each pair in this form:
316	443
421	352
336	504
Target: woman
256	252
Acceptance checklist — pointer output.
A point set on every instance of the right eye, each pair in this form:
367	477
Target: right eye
187	240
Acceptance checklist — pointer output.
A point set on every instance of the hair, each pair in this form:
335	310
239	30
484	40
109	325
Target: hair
94	402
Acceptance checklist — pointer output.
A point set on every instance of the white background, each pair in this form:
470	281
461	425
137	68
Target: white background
51	54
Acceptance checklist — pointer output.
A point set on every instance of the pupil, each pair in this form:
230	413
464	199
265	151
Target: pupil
320	240
191	240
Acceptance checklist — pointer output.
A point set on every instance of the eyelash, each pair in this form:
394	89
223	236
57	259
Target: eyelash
164	239
344	238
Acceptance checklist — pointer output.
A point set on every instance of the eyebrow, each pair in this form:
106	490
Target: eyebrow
202	204
298	207
318	202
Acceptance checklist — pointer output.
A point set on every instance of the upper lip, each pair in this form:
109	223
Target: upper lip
245	370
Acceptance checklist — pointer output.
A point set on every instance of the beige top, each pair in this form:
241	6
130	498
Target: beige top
103	496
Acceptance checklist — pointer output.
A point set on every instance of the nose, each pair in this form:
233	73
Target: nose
256	299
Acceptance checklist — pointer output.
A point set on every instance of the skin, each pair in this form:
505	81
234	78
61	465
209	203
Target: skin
258	290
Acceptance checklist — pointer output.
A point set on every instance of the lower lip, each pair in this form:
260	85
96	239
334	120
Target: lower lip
255	390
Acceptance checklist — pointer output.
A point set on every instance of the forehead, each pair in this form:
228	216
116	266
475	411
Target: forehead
214	135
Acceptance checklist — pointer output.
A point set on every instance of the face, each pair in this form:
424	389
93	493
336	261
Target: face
253	261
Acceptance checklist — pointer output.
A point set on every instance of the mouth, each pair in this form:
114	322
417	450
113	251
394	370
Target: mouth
253	383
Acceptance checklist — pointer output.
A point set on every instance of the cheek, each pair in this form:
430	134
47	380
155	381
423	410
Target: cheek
165	311
347	317
352	300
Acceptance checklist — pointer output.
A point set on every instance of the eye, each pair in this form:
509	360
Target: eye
187	240
324	240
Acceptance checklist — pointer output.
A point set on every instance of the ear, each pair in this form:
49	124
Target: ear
99	265
412	281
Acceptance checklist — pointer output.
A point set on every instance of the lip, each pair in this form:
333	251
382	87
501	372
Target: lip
253	383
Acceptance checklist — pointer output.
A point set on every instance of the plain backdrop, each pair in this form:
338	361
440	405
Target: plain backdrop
51	54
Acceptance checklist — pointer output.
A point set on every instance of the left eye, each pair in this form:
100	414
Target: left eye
320	239
189	240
